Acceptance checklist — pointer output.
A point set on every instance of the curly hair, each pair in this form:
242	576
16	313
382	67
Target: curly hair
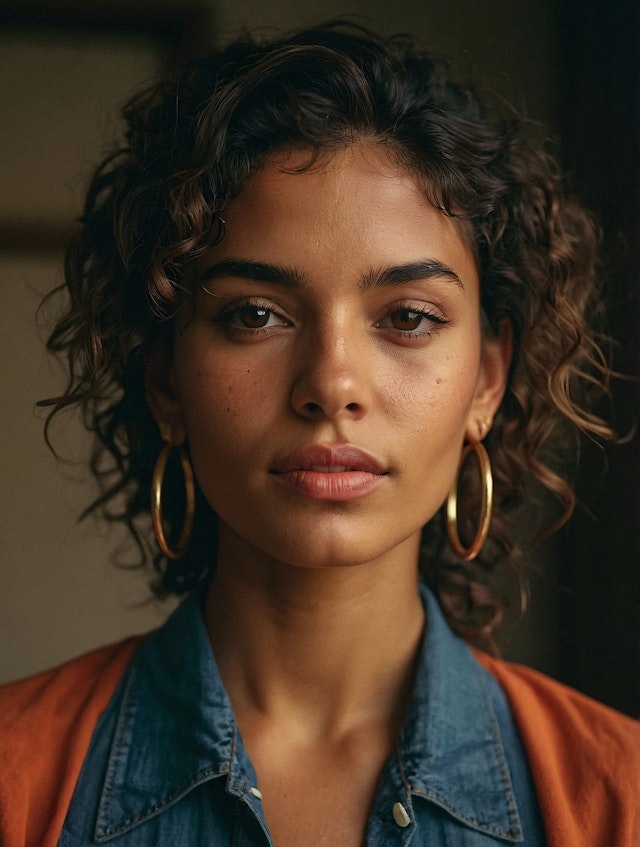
156	204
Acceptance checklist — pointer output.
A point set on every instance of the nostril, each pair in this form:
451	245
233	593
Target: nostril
316	396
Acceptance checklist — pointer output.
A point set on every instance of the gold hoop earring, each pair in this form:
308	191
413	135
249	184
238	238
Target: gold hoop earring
156	500
486	507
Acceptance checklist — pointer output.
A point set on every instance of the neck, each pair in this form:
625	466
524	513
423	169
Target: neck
325	649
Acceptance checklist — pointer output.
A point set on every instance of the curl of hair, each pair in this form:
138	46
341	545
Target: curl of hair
192	142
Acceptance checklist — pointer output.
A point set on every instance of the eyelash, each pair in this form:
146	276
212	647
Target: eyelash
436	320
231	312
228	315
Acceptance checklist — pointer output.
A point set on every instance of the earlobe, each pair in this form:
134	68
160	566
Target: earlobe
495	362
161	394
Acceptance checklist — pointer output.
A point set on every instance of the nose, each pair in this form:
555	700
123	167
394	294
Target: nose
332	379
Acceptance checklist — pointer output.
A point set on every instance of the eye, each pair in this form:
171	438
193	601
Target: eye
253	317
406	320
413	320
250	318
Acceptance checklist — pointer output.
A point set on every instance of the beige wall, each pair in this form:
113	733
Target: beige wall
59	594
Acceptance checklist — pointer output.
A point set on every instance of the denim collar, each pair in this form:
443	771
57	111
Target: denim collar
176	730
450	746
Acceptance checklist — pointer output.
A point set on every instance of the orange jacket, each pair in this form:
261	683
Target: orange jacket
585	758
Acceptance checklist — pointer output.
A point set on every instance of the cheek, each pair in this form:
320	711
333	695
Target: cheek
432	426
222	402
433	400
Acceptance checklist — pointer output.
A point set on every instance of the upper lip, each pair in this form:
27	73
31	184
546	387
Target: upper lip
327	458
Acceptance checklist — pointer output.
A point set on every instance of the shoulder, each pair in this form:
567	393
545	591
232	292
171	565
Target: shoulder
570	716
53	700
584	756
75	679
46	723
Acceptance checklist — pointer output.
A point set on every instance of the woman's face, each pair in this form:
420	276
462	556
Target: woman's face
333	364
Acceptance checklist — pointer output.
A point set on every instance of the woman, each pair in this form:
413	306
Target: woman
315	276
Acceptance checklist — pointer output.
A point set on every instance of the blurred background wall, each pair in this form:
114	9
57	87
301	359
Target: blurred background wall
66	67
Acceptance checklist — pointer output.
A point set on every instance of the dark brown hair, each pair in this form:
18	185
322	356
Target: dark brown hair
192	141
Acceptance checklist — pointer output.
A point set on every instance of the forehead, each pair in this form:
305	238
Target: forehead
352	195
351	168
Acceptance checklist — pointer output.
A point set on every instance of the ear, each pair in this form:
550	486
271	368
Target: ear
161	394
495	361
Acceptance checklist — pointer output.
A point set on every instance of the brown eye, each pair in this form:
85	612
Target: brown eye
253	317
250	319
406	320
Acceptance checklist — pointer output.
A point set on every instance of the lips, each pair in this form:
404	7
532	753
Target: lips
325	459
323	472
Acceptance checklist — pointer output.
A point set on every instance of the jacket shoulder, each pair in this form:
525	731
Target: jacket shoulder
579	718
31	698
46	723
584	758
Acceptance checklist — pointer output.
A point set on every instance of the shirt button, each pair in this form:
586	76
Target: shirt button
256	792
400	815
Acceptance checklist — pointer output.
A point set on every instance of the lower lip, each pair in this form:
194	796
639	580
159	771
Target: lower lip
342	486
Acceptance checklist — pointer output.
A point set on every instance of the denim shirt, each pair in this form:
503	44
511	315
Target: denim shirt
167	766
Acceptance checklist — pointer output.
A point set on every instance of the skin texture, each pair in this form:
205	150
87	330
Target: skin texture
330	367
315	581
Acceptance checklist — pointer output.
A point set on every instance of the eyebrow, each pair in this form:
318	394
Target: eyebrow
410	272
294	278
260	271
